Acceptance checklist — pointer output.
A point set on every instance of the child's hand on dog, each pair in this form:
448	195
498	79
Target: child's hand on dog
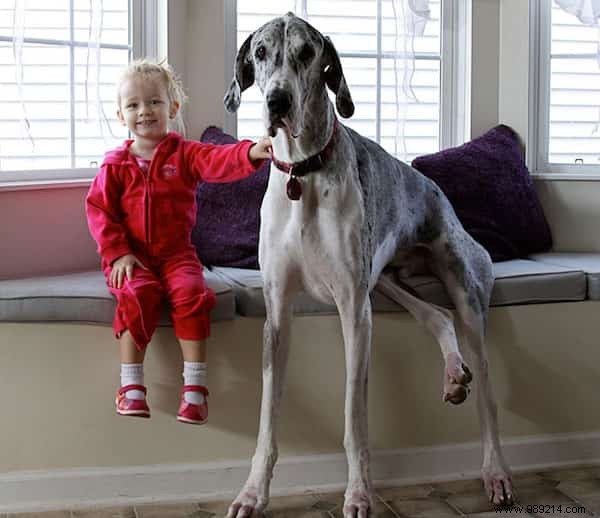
260	150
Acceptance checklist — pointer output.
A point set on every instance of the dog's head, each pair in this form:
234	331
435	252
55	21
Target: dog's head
291	63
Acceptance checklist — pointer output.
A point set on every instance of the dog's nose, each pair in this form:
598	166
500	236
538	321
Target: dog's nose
279	102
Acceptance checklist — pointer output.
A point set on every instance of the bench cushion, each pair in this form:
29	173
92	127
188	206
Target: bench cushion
83	297
589	263
247	286
518	281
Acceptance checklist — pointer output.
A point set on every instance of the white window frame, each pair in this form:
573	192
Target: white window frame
540	27
455	80
148	23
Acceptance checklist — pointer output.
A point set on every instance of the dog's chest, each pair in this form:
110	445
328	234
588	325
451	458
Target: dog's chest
318	237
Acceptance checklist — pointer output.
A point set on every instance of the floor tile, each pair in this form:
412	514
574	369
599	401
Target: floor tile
297	513
471	502
186	510
302	506
109	512
405	492
214	509
422	508
331	505
50	514
290	506
380	510
471	485
579	487
522	480
571	473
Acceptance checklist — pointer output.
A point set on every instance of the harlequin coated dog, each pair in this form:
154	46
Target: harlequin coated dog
337	210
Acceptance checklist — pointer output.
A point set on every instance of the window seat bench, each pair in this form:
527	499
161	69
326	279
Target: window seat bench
83	297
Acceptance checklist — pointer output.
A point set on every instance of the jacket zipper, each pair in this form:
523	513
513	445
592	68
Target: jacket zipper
146	177
148	210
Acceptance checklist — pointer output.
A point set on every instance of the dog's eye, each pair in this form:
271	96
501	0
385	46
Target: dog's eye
261	52
306	53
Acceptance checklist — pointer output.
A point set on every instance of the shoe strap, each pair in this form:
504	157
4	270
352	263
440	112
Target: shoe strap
195	388
126	388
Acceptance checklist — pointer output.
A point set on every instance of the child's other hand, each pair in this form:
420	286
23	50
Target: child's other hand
124	266
260	150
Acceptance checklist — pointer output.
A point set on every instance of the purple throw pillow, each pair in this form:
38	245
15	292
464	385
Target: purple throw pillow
228	218
489	186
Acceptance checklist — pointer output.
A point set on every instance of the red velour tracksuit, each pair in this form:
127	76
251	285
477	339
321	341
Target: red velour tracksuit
150	214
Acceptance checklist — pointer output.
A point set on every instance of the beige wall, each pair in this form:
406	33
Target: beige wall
205	57
78	428
513	71
484	66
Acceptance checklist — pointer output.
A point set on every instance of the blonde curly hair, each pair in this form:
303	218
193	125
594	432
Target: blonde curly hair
151	69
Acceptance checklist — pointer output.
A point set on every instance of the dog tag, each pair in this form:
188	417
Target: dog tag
293	188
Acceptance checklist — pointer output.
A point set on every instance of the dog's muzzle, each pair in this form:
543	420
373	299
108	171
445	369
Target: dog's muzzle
279	105
279	102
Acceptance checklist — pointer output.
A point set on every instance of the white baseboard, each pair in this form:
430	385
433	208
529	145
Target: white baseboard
76	488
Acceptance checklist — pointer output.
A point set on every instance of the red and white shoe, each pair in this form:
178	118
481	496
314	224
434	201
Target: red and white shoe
131	407
189	412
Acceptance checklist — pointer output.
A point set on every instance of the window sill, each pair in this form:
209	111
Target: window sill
576	177
36	185
46	179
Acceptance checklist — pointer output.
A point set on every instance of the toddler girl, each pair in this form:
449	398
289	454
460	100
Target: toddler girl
141	208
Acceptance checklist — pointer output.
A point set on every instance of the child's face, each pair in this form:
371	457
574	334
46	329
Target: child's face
145	107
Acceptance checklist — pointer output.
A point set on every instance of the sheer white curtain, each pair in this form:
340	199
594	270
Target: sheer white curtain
587	11
17	51
94	111
93	64
411	18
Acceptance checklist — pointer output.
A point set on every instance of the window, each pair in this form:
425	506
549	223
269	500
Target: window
59	62
368	35
565	93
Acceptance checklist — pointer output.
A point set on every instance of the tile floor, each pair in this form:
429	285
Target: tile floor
575	490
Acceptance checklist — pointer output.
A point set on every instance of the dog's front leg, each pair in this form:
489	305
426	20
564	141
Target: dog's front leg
355	314
254	497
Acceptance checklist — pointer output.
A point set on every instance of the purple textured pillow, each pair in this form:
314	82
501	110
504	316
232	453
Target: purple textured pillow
228	218
489	186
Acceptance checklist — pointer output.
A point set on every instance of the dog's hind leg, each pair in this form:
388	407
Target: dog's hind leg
355	316
254	497
440	322
467	274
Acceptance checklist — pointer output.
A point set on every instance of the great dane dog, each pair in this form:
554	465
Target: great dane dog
337	210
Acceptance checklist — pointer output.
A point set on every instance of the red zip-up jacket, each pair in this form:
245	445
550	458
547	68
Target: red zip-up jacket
153	213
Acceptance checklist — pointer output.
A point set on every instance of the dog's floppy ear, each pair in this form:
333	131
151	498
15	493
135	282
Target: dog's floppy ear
335	80
243	77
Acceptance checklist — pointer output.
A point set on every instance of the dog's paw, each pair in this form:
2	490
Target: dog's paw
357	504
457	377
246	505
498	486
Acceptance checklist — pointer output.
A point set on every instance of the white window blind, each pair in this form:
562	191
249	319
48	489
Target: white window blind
574	132
368	35
564	93
59	62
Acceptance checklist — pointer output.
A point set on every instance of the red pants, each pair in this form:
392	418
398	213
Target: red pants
178	280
